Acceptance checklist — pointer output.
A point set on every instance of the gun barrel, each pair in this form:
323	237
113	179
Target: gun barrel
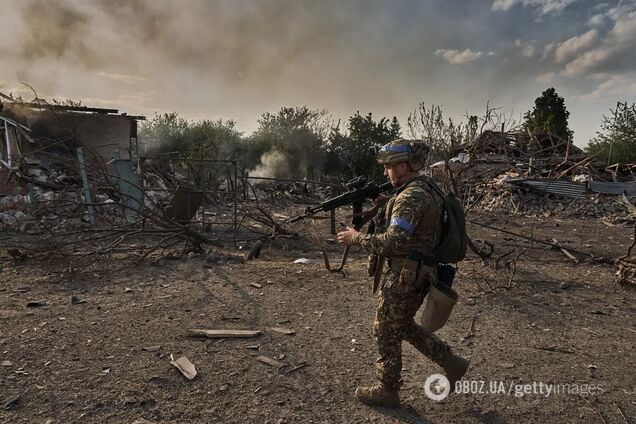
297	218
358	194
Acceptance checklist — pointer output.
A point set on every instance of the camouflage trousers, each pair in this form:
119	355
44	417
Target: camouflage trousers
393	323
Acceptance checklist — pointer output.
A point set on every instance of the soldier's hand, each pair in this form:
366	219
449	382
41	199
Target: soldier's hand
380	199
346	237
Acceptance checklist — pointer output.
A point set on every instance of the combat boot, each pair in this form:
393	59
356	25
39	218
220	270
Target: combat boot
454	367
378	395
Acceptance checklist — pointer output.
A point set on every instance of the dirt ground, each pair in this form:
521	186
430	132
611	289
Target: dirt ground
553	322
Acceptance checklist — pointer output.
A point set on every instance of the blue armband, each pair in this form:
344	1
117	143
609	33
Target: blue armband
403	224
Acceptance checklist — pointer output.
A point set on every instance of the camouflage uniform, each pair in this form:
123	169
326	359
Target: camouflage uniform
414	221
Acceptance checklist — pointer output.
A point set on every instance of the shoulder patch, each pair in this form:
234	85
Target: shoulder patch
403	224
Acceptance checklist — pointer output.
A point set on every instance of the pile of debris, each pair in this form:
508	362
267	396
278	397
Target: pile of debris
516	172
73	185
512	193
69	185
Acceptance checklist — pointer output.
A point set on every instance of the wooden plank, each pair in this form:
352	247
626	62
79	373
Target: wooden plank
283	330
271	362
565	251
217	334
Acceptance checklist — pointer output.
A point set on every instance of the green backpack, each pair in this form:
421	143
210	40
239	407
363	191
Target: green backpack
454	240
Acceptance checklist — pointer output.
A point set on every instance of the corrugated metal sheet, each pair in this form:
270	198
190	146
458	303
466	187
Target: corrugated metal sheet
613	188
558	187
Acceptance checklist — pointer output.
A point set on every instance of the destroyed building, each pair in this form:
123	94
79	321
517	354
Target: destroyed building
40	135
540	174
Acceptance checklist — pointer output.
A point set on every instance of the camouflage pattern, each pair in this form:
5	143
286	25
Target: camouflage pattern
393	323
414	208
414	221
415	152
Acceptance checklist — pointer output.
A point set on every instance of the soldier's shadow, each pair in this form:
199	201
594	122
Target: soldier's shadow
406	414
410	415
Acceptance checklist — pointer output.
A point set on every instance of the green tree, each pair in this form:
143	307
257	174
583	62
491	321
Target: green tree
162	133
292	139
197	142
207	140
549	115
334	148
211	140
353	153
472	128
395	129
616	142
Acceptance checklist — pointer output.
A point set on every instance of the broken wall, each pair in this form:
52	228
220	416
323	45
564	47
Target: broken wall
100	133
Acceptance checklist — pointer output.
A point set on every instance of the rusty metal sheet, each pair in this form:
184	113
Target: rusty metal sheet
184	204
129	189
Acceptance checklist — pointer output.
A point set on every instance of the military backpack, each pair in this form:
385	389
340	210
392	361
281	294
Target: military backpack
453	240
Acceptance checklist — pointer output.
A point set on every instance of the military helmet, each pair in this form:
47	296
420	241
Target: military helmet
415	152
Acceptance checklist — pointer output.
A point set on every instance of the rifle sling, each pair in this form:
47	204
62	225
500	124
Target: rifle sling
377	275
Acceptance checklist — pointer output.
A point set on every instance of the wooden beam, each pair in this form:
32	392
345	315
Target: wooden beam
217	334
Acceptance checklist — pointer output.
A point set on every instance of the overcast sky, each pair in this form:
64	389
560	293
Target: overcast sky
239	58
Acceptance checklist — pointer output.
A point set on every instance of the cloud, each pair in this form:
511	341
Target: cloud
126	79
503	4
547	50
570	47
605	12
240	58
542	7
601	6
615	53
615	87
620	10
596	20
545	78
458	57
528	49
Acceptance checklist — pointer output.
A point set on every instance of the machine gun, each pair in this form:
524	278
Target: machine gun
358	190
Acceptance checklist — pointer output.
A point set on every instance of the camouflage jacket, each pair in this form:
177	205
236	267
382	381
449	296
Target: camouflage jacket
414	222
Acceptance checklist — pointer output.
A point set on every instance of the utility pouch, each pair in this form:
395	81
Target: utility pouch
440	302
372	265
409	271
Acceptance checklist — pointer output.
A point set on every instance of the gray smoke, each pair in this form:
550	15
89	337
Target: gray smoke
204	59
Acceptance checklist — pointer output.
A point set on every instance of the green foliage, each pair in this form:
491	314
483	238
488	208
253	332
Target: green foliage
292	138
549	115
195	141
353	154
616	142
472	128
211	140
162	133
205	140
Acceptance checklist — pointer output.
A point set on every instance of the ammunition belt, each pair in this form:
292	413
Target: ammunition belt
395	263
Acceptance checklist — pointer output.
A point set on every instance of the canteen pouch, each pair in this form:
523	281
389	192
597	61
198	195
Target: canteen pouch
440	302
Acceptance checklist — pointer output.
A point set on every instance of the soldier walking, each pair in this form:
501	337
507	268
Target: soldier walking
413	218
